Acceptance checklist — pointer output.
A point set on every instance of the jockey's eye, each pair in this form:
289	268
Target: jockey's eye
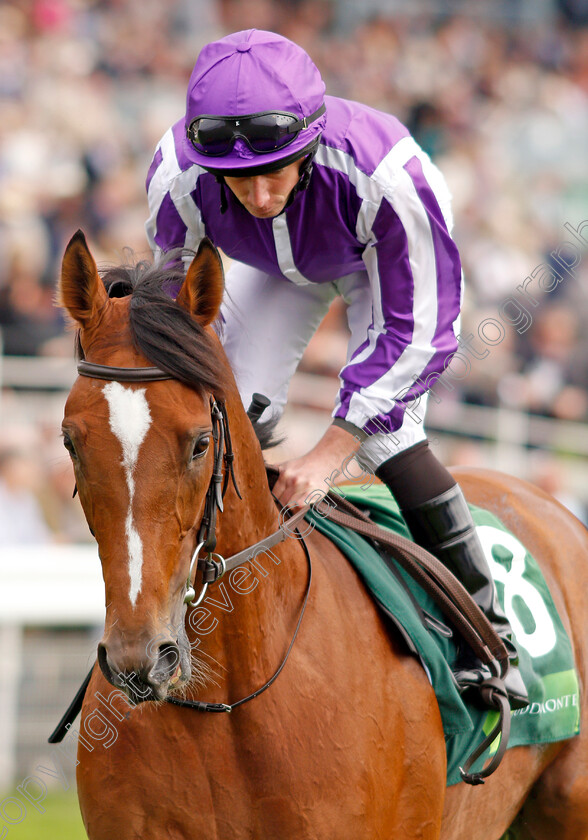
201	445
68	443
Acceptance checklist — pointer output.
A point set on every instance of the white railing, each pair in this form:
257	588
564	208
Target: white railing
40	586
481	422
38	373
502	426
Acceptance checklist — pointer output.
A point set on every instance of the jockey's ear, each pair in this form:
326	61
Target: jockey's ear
80	290
202	291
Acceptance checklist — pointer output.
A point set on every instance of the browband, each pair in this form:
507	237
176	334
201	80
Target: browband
122	374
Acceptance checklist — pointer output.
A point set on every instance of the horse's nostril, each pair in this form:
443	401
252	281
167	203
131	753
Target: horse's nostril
166	664
103	663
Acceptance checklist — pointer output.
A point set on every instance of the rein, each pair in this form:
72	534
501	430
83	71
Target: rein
202	706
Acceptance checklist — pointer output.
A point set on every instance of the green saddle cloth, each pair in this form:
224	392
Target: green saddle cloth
546	659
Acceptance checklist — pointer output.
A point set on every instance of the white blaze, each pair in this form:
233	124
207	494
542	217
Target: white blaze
129	421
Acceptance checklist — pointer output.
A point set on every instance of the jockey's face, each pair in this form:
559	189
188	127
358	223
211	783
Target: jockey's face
264	196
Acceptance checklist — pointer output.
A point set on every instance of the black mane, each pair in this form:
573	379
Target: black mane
167	335
164	332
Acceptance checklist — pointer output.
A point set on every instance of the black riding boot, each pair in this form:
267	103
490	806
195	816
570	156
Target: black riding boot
444	526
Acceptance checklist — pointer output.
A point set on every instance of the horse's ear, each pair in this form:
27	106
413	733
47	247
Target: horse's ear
202	291
81	290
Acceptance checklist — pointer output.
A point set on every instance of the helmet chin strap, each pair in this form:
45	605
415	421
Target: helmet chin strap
305	172
224	204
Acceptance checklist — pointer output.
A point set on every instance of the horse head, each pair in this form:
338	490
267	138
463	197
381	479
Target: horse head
144	450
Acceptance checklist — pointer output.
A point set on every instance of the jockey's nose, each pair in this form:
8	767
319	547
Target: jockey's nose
259	191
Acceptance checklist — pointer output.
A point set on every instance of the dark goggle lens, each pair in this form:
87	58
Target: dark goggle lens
209	136
264	133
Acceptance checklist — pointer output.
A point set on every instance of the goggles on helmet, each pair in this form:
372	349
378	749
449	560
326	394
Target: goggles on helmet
265	132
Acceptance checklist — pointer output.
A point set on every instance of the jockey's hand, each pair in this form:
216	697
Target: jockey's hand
305	480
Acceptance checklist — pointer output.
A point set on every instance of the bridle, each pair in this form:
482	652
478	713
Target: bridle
212	566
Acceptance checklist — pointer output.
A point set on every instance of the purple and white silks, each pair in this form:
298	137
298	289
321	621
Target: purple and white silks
376	206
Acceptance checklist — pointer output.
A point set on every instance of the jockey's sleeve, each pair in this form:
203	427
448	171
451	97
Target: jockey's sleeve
174	218
415	278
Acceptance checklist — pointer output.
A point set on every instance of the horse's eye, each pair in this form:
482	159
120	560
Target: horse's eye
201	445
68	443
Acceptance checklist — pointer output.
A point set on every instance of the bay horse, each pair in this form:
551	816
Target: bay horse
347	742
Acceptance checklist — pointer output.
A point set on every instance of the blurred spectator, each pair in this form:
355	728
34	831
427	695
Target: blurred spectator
64	516
87	89
553	380
574	11
21	518
548	474
28	315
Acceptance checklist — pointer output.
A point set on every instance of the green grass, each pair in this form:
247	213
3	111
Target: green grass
61	820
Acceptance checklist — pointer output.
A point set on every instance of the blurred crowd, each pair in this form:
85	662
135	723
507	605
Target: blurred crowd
87	87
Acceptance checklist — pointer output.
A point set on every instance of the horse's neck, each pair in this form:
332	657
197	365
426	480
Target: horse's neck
245	621
250	518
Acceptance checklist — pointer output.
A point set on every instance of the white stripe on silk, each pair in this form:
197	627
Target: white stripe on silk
284	251
169	176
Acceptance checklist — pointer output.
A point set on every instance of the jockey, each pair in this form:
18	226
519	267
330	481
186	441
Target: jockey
313	196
